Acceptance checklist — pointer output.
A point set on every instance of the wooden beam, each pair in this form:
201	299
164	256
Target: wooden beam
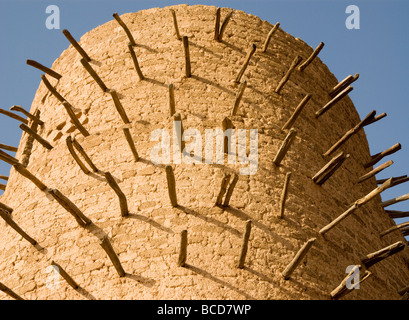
379	156
94	75
394	214
244	246
7	158
27	174
217	25
230	190
178	119
360	202
239	95
351	132
377	118
227	124
170	177
375	171
224	25
123	203
297	259
175	24
6	216
223	188
397	227
172	105
331	103
50	88
3	187
380	181
342	289
290	70
246	62
65	275
188	69
48	71
269	36
131	143
82	152
68	108
106	245
6	208
27	114
76	45
136	63
36	136
123	25
343	84
118	106
70	146
284	146
67	204
9	292
284	193
4	177
182	249
395	200
329	169
8	148
377	256
311	57
13	116
297	112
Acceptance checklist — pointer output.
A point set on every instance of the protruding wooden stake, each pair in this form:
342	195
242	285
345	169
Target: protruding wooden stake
13	116
36	136
270	34
328	170
239	95
123	25
395	179
377	118
182	249
227	124
4	178
172	107
67	204
188	70
70	147
81	150
123	203
311	57
343	84
27	114
230	190
298	258
131	143
284	194
52	89
297	112
6	216
394	214
397	227
170	177
48	71
217	25
94	75
27	174
6	208
375	257
246	62
175	24
284	147
106	245
245	245
351	132
74	119
395	200
177	121
3	187
379	156
342	289
76	45
135	62
356	205
375	171
65	275
224	25
7	158
223	188
290	70
333	101
118	106
8	148
9	292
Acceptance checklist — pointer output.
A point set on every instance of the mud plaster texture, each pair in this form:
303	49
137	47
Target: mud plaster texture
147	241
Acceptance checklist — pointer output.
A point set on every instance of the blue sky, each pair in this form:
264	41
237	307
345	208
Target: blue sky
378	51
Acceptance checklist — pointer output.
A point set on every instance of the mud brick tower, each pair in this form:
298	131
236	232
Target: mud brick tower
83	196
